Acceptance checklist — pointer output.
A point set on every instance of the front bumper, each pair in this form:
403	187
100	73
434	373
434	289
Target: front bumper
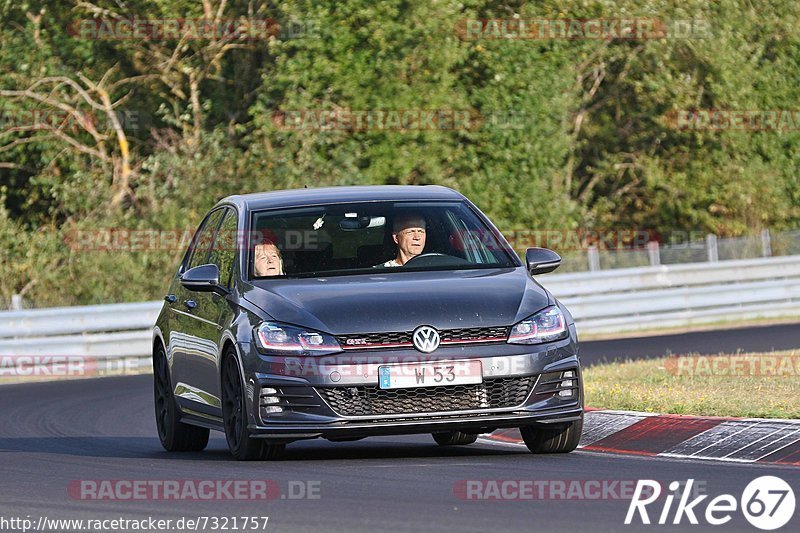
468	423
339	397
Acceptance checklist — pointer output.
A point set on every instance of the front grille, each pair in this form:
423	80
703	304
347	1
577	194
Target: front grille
474	334
375	340
371	400
368	341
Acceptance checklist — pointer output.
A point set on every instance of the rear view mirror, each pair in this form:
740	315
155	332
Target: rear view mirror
364	222
203	278
541	260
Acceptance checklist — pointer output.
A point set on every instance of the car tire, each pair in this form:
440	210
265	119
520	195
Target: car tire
454	438
562	438
175	436
234	417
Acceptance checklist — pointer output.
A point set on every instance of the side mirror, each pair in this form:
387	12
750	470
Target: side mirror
203	278
541	260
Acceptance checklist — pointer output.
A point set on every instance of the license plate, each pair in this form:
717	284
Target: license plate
430	374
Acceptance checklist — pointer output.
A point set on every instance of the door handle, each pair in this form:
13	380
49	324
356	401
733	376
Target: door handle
190	304
170	298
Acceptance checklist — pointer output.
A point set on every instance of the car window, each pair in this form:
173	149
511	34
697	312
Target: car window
477	243
372	237
223	253
201	244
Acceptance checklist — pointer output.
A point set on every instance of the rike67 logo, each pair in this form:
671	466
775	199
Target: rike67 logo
767	503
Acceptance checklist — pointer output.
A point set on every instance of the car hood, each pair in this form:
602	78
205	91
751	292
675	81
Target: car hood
377	303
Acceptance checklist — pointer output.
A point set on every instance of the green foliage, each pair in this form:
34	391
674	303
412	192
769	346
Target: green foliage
569	133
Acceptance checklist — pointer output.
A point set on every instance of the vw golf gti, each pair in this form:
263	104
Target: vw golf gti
350	312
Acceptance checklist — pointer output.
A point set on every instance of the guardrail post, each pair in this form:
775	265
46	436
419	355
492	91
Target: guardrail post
654	253
711	248
16	302
594	258
766	243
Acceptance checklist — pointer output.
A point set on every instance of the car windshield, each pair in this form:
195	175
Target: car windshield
385	237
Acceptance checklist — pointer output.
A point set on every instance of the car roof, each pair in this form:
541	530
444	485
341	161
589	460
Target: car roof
335	195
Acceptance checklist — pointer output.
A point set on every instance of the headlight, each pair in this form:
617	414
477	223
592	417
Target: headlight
282	339
546	325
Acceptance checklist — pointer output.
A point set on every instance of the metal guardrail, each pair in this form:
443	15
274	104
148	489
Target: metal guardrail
78	320
604	302
686	306
636	299
626	280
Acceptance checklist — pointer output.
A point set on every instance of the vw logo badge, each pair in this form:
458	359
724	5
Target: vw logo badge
426	339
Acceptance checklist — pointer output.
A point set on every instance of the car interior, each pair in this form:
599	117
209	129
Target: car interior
338	242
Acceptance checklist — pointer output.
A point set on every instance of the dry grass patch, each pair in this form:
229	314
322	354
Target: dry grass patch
742	385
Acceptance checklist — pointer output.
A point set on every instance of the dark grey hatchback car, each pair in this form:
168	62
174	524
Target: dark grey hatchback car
351	312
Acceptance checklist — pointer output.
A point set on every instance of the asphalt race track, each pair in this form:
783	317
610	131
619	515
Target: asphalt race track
712	342
53	435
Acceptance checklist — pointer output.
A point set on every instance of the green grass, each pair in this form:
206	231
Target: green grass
657	386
